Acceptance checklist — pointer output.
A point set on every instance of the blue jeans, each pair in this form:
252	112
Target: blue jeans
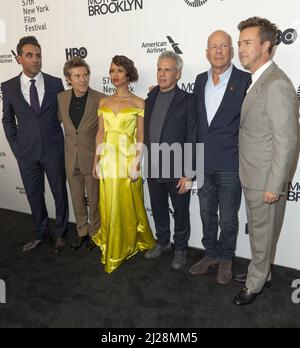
221	191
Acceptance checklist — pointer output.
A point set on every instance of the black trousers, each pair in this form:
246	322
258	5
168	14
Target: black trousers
159	196
33	177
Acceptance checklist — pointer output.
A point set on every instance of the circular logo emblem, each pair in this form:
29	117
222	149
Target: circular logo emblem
195	3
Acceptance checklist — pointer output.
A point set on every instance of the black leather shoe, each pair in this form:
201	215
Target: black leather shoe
60	245
90	244
241	278
268	284
244	297
79	242
32	245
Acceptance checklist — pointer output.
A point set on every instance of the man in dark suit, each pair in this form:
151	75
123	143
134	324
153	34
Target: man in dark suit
32	128
220	93
170	121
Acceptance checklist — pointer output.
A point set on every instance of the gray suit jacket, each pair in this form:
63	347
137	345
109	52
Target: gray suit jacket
80	143
269	130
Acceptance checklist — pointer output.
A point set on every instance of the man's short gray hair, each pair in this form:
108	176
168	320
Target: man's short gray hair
172	55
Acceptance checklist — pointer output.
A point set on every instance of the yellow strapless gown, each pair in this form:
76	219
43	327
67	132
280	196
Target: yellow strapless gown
124	228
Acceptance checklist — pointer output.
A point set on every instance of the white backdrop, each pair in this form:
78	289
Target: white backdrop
140	29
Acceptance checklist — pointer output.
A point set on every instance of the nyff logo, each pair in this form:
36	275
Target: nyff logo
196	3
76	52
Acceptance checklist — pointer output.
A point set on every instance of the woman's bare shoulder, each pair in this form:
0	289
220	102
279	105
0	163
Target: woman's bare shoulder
104	101
139	103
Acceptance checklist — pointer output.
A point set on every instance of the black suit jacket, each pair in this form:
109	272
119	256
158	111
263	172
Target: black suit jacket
32	136
221	137
180	127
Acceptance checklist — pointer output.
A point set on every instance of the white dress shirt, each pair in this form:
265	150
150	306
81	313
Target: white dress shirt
259	72
214	94
39	83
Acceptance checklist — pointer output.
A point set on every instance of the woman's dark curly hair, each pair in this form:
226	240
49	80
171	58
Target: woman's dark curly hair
128	65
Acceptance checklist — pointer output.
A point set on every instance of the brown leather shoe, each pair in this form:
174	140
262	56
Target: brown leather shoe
224	275
203	265
60	245
32	245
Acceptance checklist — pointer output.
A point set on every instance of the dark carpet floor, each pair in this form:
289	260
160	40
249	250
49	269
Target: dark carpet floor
71	289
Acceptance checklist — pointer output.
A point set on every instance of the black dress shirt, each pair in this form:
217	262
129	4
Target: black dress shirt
77	107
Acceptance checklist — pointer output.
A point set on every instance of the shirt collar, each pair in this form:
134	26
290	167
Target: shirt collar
261	70
223	77
171	91
26	79
80	98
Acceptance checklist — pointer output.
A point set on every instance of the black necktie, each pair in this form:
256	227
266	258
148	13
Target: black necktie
249	83
34	98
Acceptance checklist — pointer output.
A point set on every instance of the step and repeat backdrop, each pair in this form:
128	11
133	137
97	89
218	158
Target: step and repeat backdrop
96	30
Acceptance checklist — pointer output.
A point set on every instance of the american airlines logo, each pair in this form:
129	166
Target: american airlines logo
6	58
161	46
175	45
196	3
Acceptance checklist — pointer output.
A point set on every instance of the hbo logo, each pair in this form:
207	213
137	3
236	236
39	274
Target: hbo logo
288	37
76	52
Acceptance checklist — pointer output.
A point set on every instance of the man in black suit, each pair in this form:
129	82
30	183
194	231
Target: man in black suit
219	93
170	120
32	128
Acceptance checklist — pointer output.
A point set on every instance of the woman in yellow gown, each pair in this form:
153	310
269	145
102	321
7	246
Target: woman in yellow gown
124	228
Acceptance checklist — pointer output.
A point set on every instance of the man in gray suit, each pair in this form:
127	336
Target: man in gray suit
268	143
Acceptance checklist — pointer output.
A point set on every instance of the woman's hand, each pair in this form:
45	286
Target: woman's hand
135	172
96	170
